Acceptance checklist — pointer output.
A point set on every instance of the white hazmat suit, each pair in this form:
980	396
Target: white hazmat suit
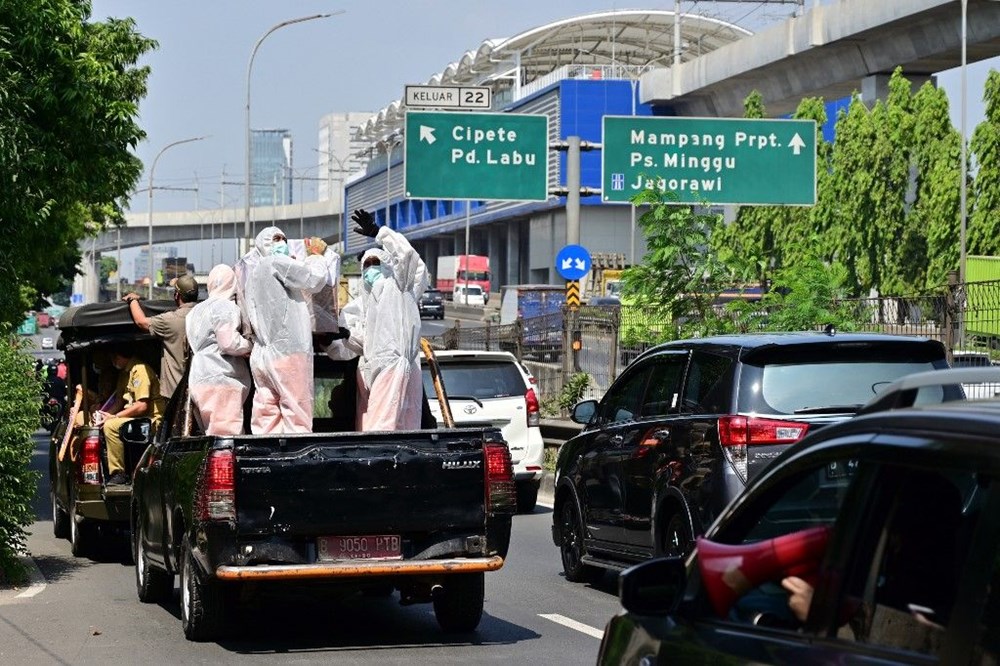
281	361
219	377
384	322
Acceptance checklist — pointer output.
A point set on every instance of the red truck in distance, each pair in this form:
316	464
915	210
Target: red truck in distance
455	270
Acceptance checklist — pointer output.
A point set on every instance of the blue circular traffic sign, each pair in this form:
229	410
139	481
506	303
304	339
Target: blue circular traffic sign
573	262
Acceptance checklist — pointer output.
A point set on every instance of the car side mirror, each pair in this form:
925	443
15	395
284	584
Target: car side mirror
135	431
584	411
654	587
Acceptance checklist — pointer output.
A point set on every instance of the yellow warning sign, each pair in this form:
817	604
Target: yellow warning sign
573	294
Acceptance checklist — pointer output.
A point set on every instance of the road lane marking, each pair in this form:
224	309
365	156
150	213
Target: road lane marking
572	624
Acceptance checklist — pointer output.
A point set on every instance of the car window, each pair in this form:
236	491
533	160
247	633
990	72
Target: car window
664	386
707	391
789	388
621	402
903	589
796	519
482	379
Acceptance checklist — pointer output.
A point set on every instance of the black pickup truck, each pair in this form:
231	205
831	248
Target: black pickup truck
424	512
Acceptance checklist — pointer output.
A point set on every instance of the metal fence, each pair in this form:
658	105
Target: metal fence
601	340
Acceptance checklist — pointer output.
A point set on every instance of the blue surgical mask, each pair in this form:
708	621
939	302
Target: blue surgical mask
371	274
281	247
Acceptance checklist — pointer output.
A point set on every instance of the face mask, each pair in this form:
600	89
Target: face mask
372	274
281	247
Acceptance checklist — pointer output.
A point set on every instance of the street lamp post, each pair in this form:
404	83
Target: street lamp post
391	142
149	212
343	183
964	158
248	227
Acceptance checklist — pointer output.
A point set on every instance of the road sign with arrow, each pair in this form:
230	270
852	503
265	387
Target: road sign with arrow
718	160
573	262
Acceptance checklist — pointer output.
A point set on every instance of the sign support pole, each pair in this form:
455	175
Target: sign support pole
468	217
573	187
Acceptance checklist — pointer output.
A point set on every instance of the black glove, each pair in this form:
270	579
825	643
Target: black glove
366	223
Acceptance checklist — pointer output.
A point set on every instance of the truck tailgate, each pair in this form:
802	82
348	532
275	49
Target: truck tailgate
360	483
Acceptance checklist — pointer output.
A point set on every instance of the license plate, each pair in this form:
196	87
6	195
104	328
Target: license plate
369	547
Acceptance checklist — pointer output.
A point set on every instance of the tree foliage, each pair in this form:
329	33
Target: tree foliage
69	95
984	222
19	403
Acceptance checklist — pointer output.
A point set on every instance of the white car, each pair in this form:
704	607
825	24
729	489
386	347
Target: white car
48	343
493	389
471	294
975	359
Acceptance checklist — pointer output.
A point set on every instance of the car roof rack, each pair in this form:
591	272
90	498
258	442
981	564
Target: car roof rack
903	392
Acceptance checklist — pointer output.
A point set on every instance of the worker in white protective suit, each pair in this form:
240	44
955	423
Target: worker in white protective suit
219	377
384	325
281	361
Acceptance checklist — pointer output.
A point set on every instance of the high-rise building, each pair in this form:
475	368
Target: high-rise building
339	153
270	167
160	254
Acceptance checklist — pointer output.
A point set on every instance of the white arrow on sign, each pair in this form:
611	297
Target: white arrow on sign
797	144
567	264
427	134
580	264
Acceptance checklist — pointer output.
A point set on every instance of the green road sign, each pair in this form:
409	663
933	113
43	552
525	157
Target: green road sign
719	160
455	155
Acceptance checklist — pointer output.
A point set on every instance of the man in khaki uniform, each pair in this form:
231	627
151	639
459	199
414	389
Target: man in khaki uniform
169	327
137	395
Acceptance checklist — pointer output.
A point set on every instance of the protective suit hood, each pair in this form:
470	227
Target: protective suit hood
222	282
265	239
386	263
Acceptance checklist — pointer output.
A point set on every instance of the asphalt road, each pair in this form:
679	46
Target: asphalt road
87	612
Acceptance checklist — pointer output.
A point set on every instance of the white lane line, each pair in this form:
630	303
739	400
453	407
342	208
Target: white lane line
572	624
37	579
547	505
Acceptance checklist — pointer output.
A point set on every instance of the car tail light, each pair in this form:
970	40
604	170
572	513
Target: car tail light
217	497
89	470
736	433
531	400
500	494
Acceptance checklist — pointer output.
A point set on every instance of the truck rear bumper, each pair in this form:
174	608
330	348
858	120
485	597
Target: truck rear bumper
355	569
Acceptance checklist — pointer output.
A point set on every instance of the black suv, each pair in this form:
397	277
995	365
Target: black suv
688	423
432	304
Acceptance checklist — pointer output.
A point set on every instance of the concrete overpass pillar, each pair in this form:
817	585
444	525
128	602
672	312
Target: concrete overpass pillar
496	250
876	86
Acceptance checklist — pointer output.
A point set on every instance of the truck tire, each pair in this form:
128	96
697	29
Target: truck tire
571	547
151	585
60	519
203	607
458	607
527	496
82	532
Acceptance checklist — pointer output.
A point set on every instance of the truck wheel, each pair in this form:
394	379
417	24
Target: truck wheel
82	532
527	496
458	607
203	608
60	519
151	585
571	547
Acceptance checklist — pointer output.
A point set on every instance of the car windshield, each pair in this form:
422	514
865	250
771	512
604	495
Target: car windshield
790	388
478	379
471	290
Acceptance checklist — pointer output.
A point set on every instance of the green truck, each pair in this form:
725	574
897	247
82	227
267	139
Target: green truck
29	326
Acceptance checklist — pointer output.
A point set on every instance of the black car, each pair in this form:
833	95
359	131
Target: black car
432	304
688	423
872	541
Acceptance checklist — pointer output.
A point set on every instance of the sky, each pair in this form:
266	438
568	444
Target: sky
359	60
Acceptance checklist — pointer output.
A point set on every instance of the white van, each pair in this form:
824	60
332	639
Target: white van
471	294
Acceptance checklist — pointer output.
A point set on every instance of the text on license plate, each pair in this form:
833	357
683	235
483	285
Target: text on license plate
372	546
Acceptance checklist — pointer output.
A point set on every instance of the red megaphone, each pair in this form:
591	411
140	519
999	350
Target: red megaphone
729	572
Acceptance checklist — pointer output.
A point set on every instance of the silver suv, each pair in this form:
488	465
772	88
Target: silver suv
493	389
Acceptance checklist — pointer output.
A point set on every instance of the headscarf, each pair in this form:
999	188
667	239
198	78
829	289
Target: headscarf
221	282
265	239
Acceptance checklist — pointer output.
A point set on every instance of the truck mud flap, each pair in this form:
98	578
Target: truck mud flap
354	569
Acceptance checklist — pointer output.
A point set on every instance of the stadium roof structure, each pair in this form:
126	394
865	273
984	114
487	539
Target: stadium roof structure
624	43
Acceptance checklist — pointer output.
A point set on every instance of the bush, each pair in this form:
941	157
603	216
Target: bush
19	419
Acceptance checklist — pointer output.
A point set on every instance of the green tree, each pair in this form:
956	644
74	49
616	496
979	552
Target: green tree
108	266
984	223
932	221
69	95
19	405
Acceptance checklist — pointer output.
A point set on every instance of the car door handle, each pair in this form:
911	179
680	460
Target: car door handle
617	439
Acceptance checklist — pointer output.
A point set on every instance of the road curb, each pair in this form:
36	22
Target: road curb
36	583
546	491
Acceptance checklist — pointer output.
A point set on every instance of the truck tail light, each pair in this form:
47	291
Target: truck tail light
531	400
216	499
500	493
89	470
736	433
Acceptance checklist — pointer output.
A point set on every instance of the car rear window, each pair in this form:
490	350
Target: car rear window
478	379
829	379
